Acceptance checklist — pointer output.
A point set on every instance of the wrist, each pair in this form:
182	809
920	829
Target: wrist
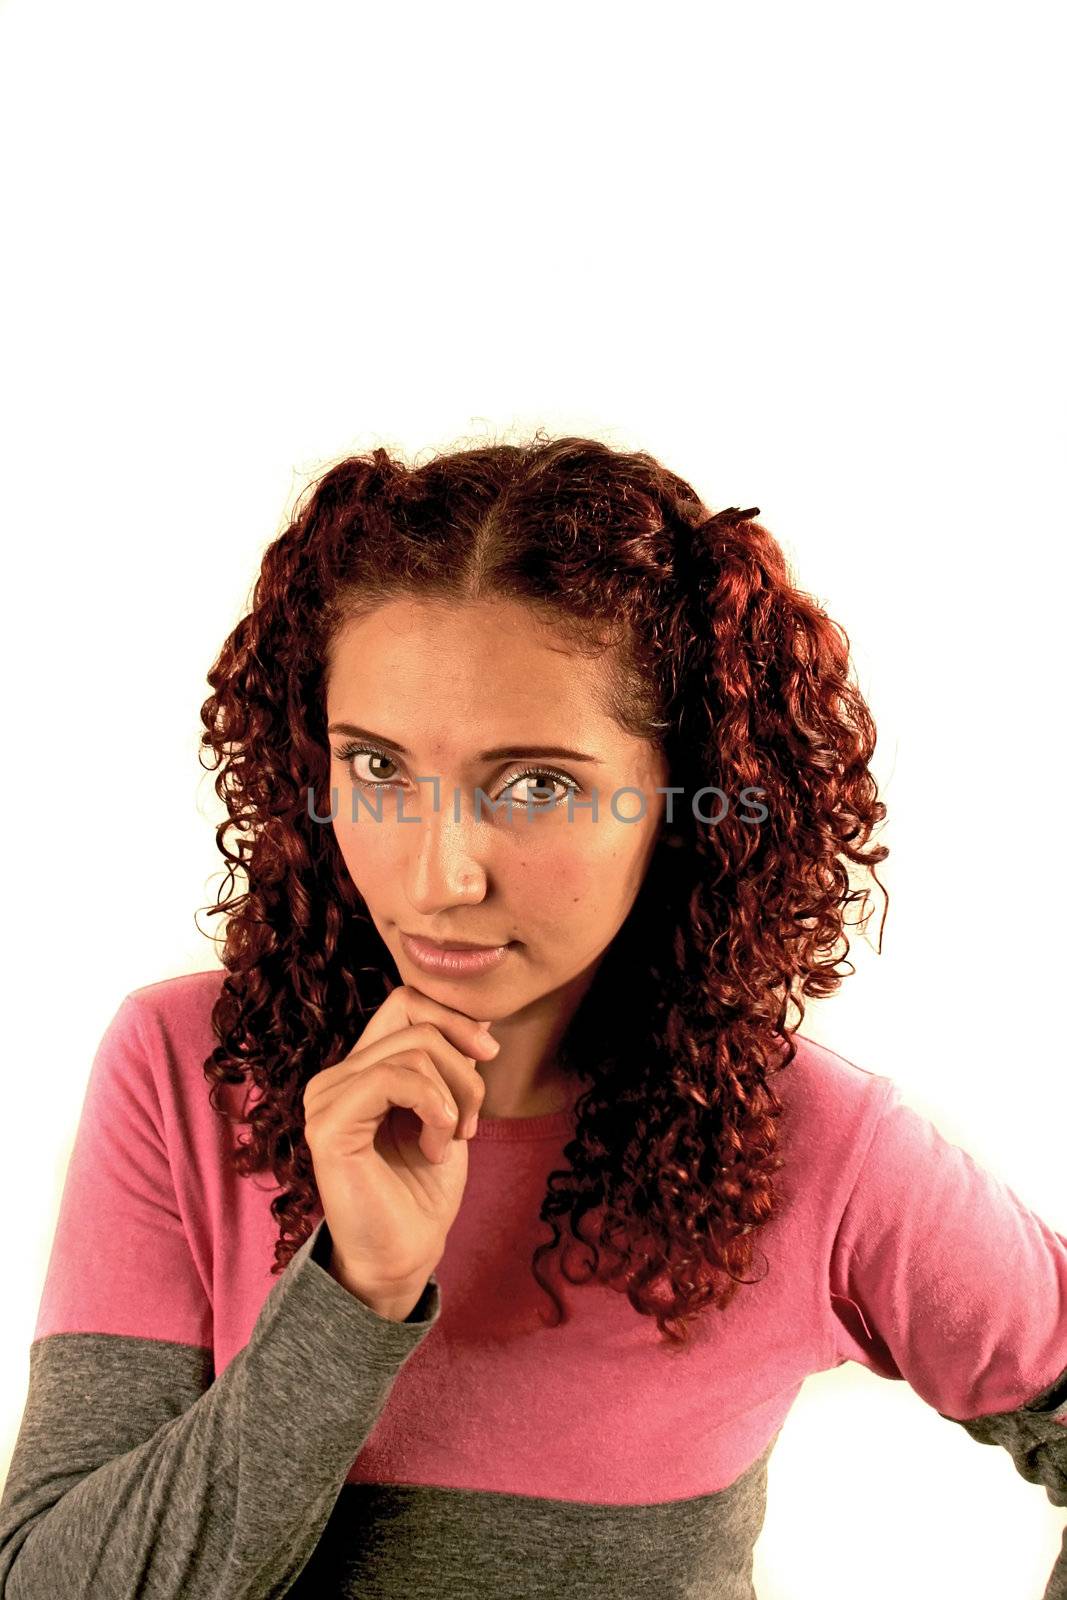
395	1302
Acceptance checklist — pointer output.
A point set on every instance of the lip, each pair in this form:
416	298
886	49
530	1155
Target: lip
454	960
449	944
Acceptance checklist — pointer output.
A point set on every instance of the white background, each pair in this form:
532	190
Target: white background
806	255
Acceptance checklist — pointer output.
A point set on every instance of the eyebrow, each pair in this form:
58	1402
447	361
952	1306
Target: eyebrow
504	752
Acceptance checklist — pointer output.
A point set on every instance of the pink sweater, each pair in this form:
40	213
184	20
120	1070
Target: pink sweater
235	1434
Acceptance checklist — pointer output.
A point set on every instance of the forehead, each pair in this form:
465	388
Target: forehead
491	662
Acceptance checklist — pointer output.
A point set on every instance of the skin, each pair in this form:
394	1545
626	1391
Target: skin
447	682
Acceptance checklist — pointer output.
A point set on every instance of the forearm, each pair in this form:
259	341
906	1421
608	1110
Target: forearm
227	1498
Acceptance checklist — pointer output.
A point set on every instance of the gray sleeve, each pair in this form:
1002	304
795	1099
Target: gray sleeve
1035	1436
134	1474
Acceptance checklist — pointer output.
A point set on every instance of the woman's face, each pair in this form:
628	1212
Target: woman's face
448	684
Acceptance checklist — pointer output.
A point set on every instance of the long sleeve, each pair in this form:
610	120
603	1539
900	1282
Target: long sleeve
941	1276
136	1471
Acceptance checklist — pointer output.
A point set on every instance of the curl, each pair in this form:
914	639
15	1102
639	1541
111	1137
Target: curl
740	679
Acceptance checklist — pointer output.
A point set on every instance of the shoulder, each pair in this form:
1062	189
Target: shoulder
177	1008
178	994
832	1107
826	1089
163	1032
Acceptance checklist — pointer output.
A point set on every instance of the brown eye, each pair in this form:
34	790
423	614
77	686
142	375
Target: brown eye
538	794
374	771
374	778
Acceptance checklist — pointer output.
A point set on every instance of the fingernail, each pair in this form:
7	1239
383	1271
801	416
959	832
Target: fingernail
470	1126
486	1039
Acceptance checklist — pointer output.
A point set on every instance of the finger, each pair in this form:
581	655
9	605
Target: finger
413	1056
458	1071
368	1097
407	1006
425	1045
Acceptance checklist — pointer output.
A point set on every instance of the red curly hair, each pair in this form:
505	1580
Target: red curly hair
730	670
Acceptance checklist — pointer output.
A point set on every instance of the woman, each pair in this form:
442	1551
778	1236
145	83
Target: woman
533	700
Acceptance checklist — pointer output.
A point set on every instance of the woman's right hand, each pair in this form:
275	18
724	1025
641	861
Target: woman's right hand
388	1149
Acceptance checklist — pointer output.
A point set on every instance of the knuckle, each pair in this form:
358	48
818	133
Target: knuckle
412	1059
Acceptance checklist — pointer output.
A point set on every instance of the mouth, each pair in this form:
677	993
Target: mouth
452	944
454	960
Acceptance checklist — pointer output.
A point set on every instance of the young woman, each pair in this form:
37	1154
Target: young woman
495	1271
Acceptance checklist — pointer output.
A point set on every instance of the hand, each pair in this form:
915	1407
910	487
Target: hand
386	1145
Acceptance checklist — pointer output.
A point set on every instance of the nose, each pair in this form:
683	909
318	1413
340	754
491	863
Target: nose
444	860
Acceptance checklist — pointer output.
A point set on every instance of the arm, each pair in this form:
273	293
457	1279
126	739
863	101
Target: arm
940	1275
1035	1436
135	1474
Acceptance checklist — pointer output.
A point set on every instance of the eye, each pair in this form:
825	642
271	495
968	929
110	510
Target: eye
347	755
376	780
541	772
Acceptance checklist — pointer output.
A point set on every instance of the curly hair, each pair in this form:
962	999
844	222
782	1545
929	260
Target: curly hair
727	669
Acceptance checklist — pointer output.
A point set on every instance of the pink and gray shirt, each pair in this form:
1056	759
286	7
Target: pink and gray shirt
196	1427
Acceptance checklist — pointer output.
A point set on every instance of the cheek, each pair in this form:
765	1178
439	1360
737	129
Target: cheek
362	852
553	878
561	878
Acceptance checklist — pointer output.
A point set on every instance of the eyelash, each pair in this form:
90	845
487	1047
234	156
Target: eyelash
348	753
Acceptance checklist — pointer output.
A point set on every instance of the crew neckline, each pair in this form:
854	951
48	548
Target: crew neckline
550	1125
